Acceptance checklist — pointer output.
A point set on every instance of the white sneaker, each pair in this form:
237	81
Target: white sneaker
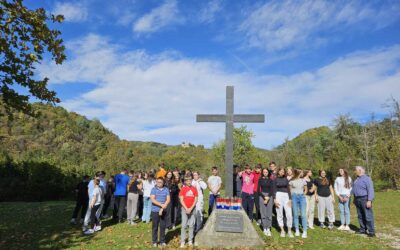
347	228
97	228
297	233
304	235
311	227
267	232
73	221
182	245
342	227
155	245
190	243
283	233
290	234
258	222
89	231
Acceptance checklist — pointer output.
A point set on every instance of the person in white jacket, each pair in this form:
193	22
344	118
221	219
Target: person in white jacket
201	186
343	190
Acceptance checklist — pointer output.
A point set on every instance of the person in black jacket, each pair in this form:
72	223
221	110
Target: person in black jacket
108	196
266	190
82	199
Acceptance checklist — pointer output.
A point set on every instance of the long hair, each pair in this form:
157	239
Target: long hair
296	173
150	177
134	178
324	180
279	170
346	178
262	173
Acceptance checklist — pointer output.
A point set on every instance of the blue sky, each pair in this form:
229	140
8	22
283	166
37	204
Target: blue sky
146	68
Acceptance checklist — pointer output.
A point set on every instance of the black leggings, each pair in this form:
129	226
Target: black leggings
93	218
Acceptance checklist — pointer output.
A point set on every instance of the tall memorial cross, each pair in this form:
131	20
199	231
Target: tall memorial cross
230	118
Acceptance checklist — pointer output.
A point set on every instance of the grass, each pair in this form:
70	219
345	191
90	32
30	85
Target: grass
45	225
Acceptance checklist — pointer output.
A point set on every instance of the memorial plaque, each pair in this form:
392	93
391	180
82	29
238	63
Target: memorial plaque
232	223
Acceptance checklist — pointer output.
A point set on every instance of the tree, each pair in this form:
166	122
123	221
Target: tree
244	151
24	39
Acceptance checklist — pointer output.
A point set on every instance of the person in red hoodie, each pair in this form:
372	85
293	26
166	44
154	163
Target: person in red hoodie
257	175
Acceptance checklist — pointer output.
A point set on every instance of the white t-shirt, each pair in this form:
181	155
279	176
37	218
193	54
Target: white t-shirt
98	194
339	186
214	182
147	187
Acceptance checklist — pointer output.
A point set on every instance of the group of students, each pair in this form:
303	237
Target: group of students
294	194
167	198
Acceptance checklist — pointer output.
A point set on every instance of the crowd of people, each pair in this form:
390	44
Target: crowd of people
169	198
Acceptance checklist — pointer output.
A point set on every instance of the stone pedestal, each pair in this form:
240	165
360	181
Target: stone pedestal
228	229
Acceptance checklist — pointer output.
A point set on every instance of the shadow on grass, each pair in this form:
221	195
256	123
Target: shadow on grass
39	225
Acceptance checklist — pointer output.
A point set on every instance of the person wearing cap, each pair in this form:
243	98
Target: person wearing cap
363	191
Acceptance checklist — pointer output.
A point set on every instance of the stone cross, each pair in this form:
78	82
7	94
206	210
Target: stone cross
230	118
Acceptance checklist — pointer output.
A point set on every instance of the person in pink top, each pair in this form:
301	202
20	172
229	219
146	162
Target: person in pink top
257	176
248	191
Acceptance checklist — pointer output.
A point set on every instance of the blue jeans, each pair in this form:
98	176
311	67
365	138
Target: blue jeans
248	204
299	201
344	211
365	215
146	209
211	202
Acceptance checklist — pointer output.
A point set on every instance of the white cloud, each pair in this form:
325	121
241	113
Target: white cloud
156	97
164	15
73	12
211	9
281	25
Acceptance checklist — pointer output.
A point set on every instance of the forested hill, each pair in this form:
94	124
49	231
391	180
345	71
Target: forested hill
72	142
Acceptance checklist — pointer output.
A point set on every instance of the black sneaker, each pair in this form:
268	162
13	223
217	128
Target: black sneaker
322	225
371	235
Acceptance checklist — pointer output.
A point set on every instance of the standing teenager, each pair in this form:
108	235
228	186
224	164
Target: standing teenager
160	198
133	198
343	191
257	176
214	184
283	202
248	191
298	188
325	199
82	199
200	186
188	198
310	198
95	203
148	185
266	193
121	181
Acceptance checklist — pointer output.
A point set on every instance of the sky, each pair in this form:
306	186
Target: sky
146	68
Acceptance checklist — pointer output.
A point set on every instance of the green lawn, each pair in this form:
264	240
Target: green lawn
46	225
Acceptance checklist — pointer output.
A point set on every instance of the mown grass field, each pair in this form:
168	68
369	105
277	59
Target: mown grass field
45	225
